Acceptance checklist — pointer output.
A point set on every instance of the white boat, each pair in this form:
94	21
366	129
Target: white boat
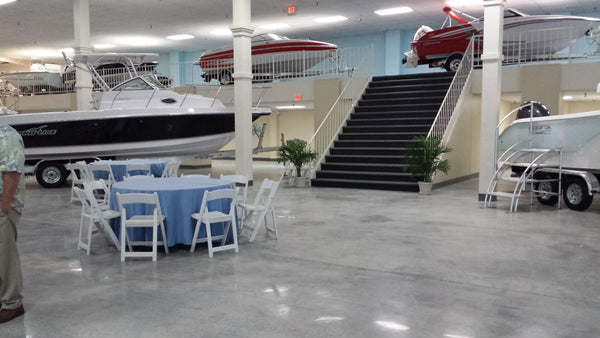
576	134
525	37
272	55
138	118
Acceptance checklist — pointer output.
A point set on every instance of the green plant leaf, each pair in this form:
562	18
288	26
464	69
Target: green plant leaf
423	157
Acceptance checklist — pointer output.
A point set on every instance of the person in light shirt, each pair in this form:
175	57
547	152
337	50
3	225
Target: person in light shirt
12	193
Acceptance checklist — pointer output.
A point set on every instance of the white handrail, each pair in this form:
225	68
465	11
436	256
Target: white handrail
440	123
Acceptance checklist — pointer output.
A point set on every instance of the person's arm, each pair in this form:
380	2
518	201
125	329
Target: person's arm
9	188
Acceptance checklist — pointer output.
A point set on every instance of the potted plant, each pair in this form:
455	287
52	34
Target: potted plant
423	159
297	152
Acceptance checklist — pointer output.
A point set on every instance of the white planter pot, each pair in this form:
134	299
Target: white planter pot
425	188
300	181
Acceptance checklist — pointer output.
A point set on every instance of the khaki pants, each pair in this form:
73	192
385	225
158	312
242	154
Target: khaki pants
11	281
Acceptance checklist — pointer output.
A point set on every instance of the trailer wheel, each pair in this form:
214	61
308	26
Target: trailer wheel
576	194
51	174
453	62
550	187
225	78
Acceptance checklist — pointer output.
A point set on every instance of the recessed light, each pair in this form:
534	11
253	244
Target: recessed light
567	97
180	37
274	26
104	46
458	3
4	2
221	31
396	10
330	19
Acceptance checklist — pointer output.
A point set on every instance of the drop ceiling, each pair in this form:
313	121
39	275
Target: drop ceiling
44	26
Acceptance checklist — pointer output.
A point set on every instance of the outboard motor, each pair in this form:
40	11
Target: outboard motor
538	110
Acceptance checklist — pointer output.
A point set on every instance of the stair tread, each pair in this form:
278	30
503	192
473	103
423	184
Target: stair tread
398	183
365	172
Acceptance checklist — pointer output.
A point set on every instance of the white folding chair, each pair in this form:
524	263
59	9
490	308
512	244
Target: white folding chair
255	214
240	181
154	221
171	169
80	173
100	193
105	170
207	217
96	217
195	175
138	169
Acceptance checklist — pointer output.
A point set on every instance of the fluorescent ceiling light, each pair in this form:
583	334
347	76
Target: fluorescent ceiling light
396	10
104	46
330	19
567	97
221	31
274	26
290	107
180	37
4	2
458	3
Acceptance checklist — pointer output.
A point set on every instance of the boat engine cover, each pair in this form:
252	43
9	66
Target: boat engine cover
538	110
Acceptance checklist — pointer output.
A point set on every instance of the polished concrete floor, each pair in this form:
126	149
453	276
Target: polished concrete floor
348	263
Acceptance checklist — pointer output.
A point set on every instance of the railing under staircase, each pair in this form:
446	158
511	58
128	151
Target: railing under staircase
530	162
337	115
444	115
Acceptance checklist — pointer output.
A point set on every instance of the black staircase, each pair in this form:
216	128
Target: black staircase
369	152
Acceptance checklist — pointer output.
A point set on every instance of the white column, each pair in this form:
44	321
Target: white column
491	89
242	64
81	27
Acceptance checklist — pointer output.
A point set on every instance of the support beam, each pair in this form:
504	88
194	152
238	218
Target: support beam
242	65
491	89
81	27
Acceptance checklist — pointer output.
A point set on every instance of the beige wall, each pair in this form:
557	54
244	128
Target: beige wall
40	103
542	83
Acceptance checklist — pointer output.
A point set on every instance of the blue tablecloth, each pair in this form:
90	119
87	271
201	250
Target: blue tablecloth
179	199
119	167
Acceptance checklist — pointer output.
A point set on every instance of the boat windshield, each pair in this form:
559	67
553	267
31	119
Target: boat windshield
268	37
146	82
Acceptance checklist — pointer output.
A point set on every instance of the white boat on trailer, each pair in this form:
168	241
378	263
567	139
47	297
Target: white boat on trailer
578	139
137	118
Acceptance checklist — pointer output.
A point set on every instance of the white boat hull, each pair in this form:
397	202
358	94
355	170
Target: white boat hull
577	135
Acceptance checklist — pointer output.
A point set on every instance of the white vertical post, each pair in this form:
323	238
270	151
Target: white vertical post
242	64
491	89
81	27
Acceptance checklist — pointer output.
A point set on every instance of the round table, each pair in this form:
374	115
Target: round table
179	198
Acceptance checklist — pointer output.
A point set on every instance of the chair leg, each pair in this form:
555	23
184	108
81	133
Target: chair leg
164	238
195	237
79	242
89	237
209	239
259	221
235	236
155	242
123	240
272	229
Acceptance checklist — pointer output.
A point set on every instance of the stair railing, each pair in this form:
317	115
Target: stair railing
337	115
442	119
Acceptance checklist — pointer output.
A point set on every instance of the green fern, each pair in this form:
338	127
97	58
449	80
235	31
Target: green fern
297	152
423	157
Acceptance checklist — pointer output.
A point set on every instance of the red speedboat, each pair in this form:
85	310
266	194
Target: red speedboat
525	36
272	55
